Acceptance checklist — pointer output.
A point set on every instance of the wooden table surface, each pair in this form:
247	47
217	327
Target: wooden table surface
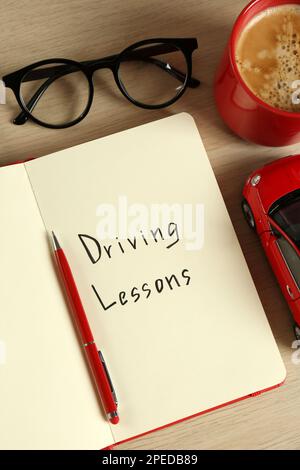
32	30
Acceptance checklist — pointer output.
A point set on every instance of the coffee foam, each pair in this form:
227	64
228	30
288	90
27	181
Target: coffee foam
268	56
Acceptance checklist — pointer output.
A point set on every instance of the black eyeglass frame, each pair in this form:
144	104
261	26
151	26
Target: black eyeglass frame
14	80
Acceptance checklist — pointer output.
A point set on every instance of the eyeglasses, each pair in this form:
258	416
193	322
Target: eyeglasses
58	93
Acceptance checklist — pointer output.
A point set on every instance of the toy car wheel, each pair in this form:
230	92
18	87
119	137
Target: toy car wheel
297	331
248	214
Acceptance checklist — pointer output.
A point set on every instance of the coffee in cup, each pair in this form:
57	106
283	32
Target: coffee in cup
268	56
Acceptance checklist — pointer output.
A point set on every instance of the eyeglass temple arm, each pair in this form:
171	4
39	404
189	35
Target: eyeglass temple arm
192	83
64	70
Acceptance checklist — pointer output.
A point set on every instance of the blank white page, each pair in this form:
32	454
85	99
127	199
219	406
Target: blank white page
47	400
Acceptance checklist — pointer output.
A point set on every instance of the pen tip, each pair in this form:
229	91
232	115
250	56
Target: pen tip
55	241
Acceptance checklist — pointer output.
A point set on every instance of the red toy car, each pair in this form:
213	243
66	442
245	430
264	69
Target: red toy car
271	206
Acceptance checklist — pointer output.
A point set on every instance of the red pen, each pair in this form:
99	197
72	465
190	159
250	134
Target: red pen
94	357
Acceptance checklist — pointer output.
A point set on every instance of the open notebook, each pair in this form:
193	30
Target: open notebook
190	344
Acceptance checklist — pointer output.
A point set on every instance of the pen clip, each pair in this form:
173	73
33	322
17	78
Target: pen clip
108	378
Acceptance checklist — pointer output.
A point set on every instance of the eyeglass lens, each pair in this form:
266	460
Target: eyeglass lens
148	79
62	95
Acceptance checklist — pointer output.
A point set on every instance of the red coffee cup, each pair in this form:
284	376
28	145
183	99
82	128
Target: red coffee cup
245	113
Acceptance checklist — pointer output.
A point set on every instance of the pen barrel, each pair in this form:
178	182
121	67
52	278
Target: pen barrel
100	378
82	325
80	318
